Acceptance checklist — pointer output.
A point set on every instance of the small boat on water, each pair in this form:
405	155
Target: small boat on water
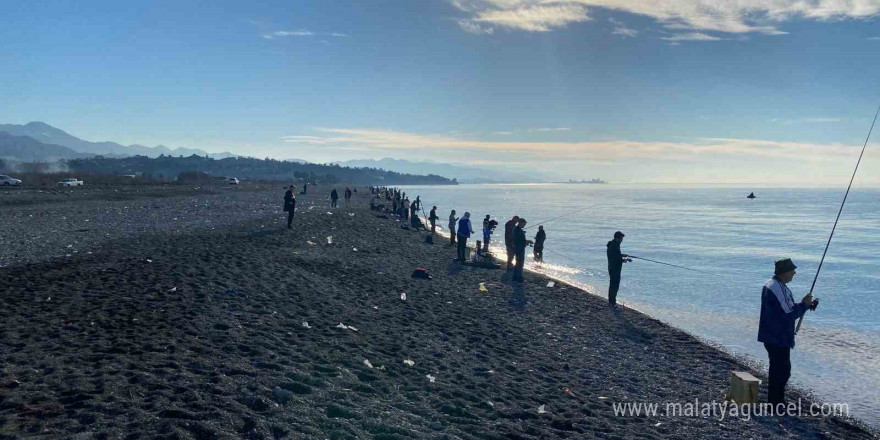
751	196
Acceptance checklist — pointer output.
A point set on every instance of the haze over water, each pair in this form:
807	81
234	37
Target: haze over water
716	230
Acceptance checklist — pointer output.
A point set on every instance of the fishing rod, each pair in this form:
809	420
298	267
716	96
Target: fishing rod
669	264
559	217
839	211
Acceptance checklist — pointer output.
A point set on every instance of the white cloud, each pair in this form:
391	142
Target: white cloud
278	34
622	30
873	38
532	18
503	133
789	121
337	34
730	16
550	129
691	36
742	149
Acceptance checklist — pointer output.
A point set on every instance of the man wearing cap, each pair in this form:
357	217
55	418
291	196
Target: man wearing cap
508	240
779	312
290	205
520	242
615	266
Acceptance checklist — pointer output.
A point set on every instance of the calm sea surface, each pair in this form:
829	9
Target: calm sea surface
716	230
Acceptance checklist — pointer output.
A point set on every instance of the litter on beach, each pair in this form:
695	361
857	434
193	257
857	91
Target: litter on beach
403	296
431	378
311	243
330	240
551	284
346	327
306	324
483	288
367	363
408	362
541	409
566	390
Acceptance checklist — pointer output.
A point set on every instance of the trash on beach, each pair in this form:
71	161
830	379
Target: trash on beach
603	398
149	260
490	404
566	390
354	249
311	243
306	324
658	424
376	307
351	214
346	327
551	284
173	289
483	288
330	240
367	363
403	296
541	409
408	362
329	213
422	273
431	378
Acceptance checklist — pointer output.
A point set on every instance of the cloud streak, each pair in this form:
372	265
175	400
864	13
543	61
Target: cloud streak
387	140
732	16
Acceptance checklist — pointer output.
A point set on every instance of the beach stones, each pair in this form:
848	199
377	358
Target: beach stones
281	395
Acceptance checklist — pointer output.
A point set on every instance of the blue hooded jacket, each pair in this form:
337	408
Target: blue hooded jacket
464	227
779	313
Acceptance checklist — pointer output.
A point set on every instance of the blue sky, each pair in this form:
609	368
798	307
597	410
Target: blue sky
663	90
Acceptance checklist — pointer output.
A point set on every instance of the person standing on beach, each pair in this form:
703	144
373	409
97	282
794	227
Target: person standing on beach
334	196
305	188
519	244
508	240
406	209
779	313
539	244
452	234
433	219
464	232
290	205
347	195
615	266
487	232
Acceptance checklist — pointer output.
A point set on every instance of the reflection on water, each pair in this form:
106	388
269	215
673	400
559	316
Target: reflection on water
715	230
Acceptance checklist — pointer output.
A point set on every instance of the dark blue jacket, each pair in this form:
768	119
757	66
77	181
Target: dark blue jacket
464	227
615	258
779	313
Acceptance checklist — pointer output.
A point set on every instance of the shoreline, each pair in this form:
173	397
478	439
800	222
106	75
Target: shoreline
198	341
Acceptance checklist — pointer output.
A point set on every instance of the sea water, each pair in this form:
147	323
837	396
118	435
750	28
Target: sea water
716	230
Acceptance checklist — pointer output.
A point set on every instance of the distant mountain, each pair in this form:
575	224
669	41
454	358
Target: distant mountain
463	173
48	134
28	149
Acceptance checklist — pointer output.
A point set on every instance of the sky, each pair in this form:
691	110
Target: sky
772	91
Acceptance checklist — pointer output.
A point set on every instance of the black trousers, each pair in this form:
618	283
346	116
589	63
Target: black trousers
462	245
520	262
613	287
452	234
511	254
539	253
290	216
780	371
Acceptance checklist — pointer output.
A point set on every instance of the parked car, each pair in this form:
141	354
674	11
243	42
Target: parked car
9	181
233	181
70	182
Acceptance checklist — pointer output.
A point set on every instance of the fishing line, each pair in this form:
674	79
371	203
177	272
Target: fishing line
559	217
833	228
669	264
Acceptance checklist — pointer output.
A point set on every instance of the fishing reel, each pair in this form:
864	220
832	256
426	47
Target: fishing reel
814	305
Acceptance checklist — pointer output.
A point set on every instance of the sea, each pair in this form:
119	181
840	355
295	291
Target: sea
733	241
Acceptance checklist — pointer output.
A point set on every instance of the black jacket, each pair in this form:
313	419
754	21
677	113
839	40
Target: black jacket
289	200
519	240
508	232
539	238
615	258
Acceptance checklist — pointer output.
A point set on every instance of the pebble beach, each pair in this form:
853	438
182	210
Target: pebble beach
192	312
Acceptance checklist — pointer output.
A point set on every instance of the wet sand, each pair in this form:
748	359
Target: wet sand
239	328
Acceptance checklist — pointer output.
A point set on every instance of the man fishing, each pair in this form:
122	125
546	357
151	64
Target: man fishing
508	240
290	205
433	219
615	266
464	232
779	313
452	234
538	250
519	244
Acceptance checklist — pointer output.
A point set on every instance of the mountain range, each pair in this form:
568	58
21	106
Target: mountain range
49	135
